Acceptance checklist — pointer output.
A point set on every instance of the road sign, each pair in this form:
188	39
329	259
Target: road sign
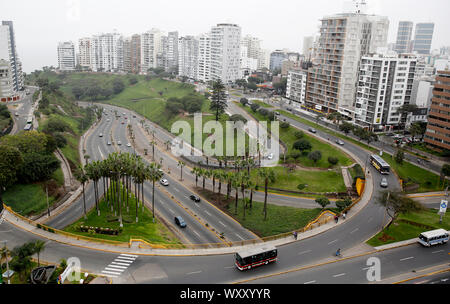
443	206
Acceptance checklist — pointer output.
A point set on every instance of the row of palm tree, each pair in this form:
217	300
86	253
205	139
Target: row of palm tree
117	174
239	180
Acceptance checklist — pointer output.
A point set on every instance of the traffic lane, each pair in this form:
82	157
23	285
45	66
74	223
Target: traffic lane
438	278
223	223
197	233
433	202
392	263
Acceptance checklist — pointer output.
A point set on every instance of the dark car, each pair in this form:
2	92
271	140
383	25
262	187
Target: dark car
312	130
180	222
195	198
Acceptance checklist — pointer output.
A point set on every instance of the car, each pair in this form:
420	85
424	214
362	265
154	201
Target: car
289	109
17	114
270	156
134	116
277	113
119	143
108	119
339	142
164	182
123	122
384	182
195	198
109	143
125	117
312	130
100	135
128	145
180	222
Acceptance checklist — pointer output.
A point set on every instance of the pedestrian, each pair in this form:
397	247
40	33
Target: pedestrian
344	215
336	219
295	234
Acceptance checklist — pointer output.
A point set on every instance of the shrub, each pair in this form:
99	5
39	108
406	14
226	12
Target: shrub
285	125
254	107
299	134
315	156
302	145
333	160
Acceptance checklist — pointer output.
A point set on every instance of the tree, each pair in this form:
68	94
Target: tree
315	156
118	86
302	145
38	248
181	164
333	160
404	110
299	134
323	201
399	156
81	176
10	160
346	127
268	175
418	129
218	98
154	175
397	203
244	101
336	117
445	171
255	107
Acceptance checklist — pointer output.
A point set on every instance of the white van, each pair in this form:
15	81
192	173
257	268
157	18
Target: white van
434	237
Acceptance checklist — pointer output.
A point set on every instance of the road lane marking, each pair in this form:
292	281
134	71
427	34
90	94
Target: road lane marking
408	258
176	189
129	255
123	264
117	266
332	242
171	211
114	269
338	275
207	213
221	223
310	282
127	258
303	252
354	230
194	272
239	236
111	272
123	261
196	233
437	251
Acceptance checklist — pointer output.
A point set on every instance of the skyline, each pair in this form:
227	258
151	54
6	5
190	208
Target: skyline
73	19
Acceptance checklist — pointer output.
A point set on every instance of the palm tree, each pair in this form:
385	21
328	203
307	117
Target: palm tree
38	248
82	178
154	175
206	174
196	172
244	180
4	252
181	164
252	186
153	143
267	175
167	143
236	183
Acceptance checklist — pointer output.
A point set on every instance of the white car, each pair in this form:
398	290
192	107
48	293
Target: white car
340	142
128	145
164	182
119	143
270	156
100	135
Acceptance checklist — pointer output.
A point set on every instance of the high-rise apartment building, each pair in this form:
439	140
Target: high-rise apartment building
308	43
66	56
84	52
204	58
172	52
276	59
423	38
8	52
150	47
7	92
385	84
404	35
437	135
344	39
296	87
106	52
188	49
225	52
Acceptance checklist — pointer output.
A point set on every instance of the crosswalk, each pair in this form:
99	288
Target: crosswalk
119	265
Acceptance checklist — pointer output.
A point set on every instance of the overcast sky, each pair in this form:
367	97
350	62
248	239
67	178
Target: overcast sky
39	25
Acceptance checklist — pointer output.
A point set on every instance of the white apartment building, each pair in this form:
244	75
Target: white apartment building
106	52
188	49
66	56
264	59
385	84
84	52
344	39
296	87
204	58
225	52
150	47
248	65
7	91
172	52
8	52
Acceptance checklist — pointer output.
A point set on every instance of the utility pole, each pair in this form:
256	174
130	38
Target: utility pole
46	191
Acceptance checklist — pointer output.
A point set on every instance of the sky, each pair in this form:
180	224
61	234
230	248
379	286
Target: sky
40	25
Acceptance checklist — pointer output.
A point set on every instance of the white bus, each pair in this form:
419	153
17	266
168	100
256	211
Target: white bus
434	237
30	119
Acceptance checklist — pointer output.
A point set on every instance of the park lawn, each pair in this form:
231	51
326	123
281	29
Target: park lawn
316	181
408	172
58	176
261	103
27	199
401	231
156	233
287	136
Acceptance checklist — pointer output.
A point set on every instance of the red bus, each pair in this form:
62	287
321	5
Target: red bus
250	258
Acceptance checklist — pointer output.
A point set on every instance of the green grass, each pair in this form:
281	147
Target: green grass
27	199
287	136
316	181
58	176
401	231
410	173
280	219
261	103
145	229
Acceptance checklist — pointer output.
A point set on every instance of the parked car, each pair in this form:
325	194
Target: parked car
119	143
339	142
384	182
312	130
195	198
109	143
277	113
270	156
100	135
164	182
180	222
